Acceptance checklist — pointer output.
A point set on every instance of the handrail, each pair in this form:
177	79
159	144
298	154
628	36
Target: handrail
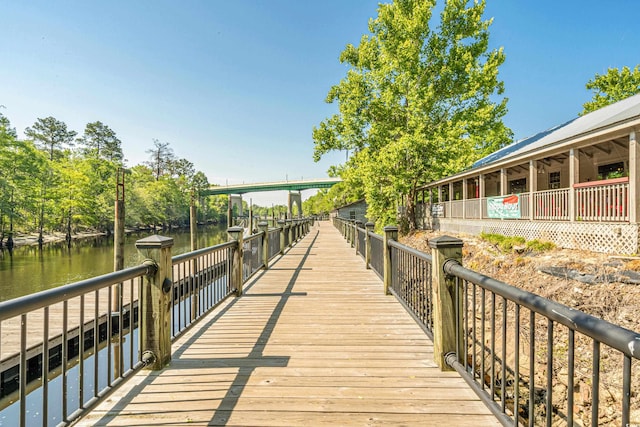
201	281
18	306
198	252
615	336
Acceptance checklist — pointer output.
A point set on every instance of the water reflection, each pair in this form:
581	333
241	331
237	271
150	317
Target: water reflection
29	269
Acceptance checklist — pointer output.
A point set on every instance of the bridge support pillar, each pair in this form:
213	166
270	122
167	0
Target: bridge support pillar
235	207
295	198
447	301
155	310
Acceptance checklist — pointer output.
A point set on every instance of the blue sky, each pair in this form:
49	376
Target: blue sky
237	86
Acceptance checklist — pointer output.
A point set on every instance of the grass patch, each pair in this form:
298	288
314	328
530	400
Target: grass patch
507	243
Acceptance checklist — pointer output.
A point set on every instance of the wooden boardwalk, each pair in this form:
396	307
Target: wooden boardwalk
313	342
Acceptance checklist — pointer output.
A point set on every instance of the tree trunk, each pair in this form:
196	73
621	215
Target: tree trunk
68	235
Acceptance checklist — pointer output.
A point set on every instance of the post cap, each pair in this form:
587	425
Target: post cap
154	242
263	224
235	230
445	242
369	224
390	228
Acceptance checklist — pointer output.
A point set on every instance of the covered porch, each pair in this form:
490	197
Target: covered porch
576	185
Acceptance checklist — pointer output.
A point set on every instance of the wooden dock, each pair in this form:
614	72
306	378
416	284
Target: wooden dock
313	342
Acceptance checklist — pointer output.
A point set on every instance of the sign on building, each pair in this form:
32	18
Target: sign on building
504	207
437	209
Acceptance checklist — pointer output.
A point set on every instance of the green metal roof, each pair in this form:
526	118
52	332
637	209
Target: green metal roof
273	186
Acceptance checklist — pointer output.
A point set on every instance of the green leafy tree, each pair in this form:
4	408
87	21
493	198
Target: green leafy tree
75	195
22	167
51	135
611	87
99	141
416	104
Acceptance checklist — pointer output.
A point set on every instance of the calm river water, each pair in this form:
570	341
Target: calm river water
30	269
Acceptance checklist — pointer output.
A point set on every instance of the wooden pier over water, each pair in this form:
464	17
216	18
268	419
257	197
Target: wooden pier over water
313	341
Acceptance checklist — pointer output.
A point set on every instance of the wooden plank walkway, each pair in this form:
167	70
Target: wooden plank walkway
313	342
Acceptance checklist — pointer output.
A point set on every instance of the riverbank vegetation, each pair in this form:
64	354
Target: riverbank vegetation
58	181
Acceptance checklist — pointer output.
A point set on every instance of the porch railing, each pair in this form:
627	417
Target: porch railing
603	201
551	204
533	361
473	208
456	208
89	331
599	201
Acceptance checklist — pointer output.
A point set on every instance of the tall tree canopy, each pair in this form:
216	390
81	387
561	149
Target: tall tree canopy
417	103
611	87
101	142
51	135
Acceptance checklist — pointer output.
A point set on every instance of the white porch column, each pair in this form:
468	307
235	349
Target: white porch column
481	194
533	186
464	198
634	179
503	182
448	213
574	178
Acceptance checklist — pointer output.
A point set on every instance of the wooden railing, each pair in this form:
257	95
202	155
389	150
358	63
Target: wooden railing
603	200
598	201
551	204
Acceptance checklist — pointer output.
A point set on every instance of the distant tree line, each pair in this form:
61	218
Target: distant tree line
57	180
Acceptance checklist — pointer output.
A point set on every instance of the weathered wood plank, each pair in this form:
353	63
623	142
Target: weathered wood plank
313	342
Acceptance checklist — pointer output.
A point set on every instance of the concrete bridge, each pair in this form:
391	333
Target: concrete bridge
294	188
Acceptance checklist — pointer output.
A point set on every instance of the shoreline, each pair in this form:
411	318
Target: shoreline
32	238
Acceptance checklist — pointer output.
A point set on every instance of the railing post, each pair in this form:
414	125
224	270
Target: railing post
357	225
289	233
390	233
155	328
264	227
282	226
367	257
447	302
236	234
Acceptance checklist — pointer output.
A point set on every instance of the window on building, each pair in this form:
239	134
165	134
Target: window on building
518	186
445	193
554	180
352	214
612	170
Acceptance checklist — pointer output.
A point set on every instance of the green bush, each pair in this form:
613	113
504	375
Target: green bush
506	243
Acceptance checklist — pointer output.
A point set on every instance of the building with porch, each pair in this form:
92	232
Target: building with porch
577	185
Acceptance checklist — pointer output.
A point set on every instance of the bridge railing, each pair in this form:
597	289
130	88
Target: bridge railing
533	361
93	332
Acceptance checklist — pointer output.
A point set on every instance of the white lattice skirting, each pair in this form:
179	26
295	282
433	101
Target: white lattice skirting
599	237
